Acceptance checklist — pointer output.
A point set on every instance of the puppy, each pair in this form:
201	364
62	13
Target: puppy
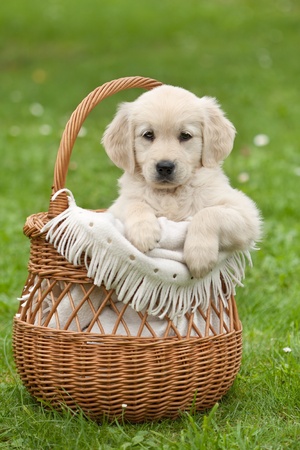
171	144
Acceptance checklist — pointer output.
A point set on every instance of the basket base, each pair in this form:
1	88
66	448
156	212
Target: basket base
155	378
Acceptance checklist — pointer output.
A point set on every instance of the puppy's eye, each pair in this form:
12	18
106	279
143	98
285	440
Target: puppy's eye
149	135
185	136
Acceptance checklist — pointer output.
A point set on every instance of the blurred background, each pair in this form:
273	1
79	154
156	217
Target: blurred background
243	52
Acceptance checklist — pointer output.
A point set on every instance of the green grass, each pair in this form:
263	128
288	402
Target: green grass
245	54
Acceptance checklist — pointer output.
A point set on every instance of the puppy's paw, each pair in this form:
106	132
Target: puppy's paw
200	259
144	235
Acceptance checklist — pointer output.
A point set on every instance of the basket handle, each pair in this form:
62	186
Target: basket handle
73	127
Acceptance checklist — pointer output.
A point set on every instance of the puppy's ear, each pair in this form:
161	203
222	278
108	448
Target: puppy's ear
118	139
218	133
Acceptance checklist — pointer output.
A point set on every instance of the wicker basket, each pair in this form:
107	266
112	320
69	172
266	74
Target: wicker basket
140	376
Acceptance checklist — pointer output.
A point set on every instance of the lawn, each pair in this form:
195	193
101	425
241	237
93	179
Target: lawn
245	53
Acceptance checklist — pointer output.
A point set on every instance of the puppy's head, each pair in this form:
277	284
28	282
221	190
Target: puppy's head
166	134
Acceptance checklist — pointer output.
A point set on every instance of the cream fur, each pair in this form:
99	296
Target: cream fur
169	125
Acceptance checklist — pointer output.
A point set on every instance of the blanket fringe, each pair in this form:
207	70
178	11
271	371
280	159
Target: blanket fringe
110	259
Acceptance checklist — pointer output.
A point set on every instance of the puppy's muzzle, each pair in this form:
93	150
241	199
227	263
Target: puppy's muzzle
165	170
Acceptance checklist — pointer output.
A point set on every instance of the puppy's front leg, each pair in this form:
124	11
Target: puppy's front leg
219	228
142	228
201	248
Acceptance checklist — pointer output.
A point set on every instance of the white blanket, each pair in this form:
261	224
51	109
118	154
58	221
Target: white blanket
159	281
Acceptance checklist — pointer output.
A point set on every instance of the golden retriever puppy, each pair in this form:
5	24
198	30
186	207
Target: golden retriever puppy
171	144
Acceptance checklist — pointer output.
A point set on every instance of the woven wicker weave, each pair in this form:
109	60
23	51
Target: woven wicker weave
155	376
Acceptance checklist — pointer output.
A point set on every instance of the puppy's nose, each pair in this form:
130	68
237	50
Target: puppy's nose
165	168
